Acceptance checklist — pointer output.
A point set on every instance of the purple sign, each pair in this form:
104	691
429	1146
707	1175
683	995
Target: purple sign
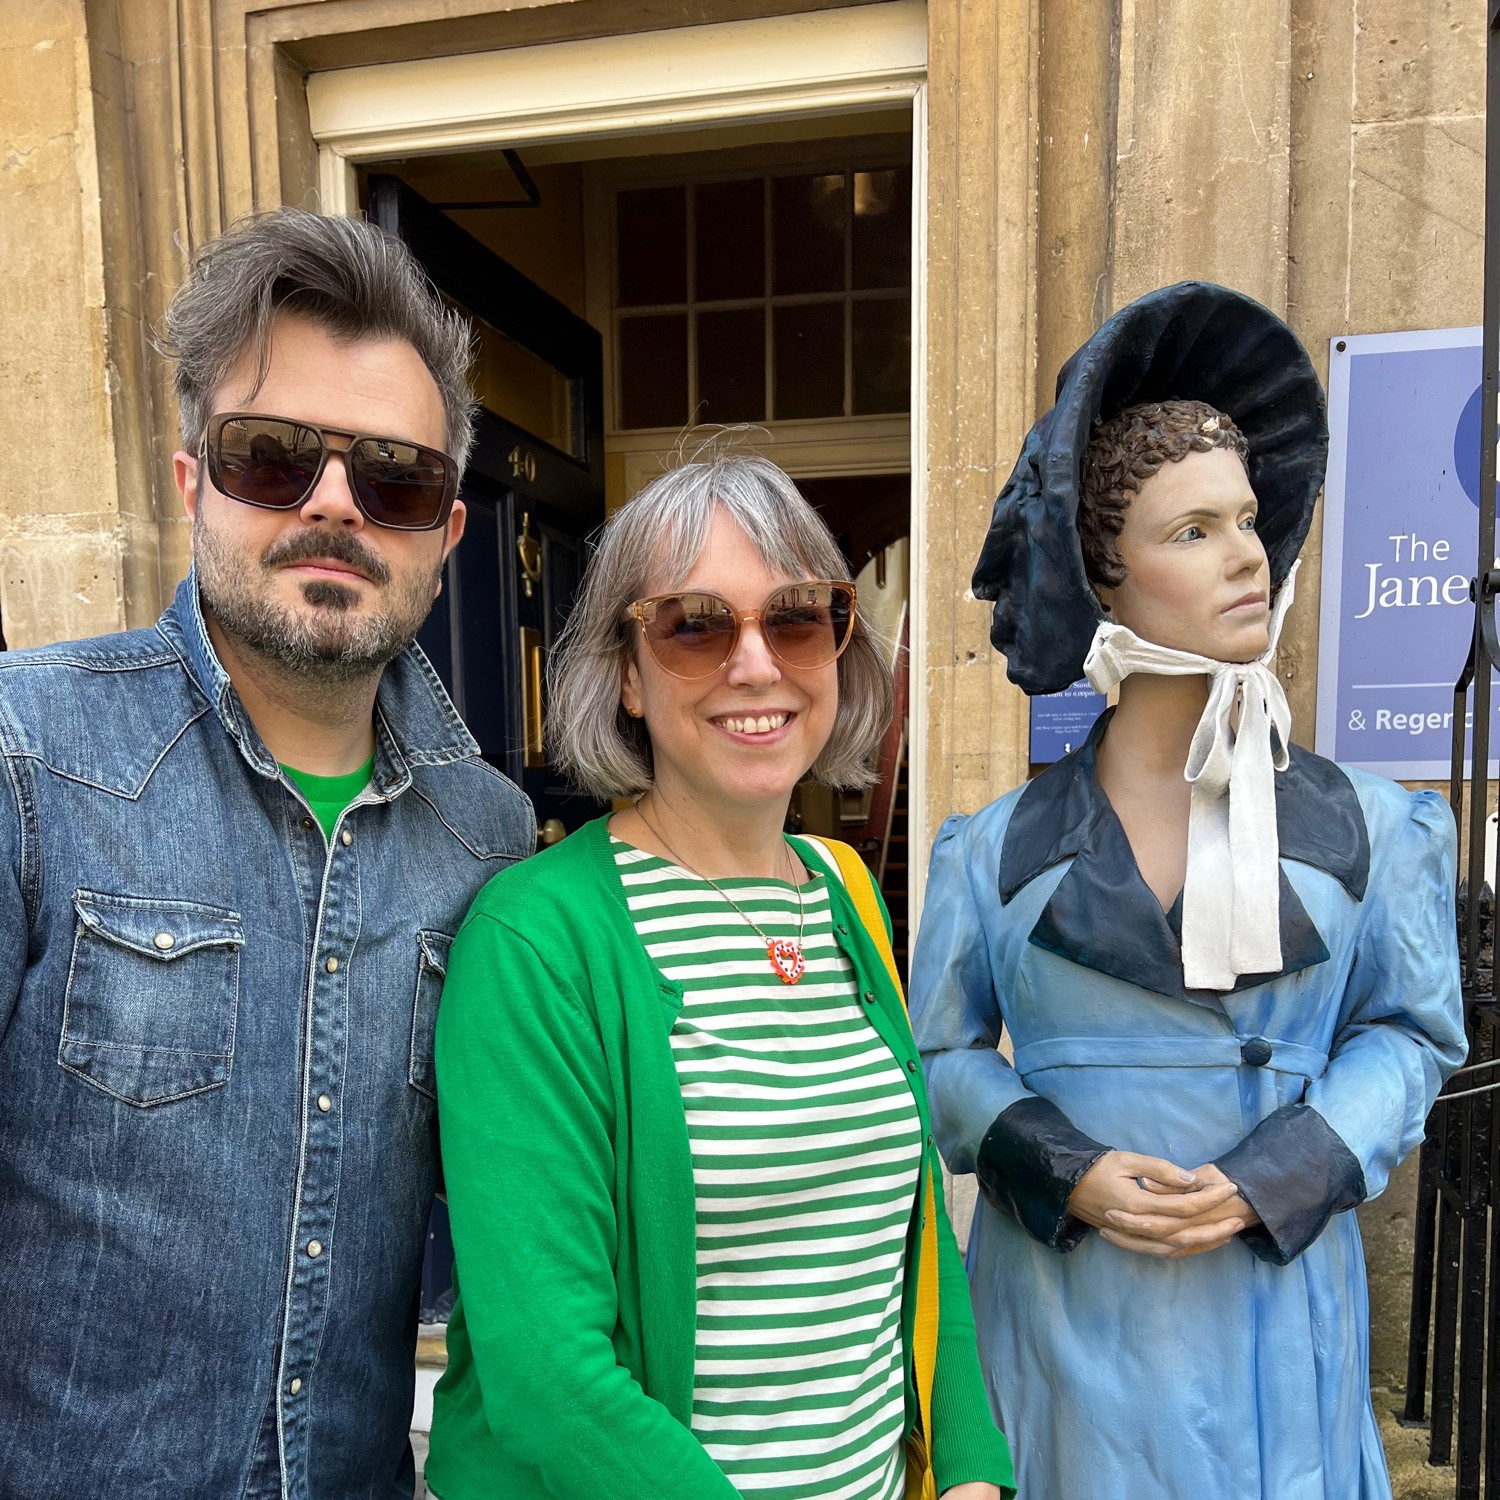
1060	722
1400	531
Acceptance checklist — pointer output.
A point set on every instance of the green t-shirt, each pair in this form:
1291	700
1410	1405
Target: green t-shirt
328	796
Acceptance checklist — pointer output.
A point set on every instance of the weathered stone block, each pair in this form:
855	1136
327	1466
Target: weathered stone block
1297	660
44	73
1203	169
59	585
27	22
963	1196
1386	1224
1412	60
1418	225
971	710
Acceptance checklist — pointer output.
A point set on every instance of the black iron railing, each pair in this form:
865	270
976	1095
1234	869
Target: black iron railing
1454	1353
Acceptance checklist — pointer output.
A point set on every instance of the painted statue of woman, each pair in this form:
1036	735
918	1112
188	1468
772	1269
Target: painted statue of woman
1227	967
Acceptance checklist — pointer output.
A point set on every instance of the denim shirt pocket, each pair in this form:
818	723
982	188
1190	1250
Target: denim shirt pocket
152	996
432	969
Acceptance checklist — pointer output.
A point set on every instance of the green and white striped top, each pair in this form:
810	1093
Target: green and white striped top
806	1149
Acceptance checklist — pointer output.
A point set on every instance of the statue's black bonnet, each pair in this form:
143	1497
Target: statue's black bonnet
1192	341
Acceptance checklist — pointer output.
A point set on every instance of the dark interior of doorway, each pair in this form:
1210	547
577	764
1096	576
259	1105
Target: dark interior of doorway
868	514
533	498
551	444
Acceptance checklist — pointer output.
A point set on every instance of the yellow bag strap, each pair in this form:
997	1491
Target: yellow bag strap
860	884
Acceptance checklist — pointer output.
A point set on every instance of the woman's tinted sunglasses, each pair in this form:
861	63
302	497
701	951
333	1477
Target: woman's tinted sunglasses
276	462
694	634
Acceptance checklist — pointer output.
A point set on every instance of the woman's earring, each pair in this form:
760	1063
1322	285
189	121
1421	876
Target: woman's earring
634	713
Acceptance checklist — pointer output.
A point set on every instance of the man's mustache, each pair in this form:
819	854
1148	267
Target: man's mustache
336	546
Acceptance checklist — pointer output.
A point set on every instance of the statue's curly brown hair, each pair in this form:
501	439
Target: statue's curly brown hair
1123	454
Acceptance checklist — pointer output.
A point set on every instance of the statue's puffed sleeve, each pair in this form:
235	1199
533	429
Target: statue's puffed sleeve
1400	1033
1027	1154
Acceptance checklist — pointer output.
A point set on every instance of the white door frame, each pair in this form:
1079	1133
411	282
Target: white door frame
785	67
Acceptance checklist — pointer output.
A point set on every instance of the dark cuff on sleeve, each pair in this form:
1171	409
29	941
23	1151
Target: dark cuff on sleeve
1296	1173
1028	1164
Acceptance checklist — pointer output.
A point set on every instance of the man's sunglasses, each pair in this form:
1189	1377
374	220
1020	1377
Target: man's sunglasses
694	634
275	463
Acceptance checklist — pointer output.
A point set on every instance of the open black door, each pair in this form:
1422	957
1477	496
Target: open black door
533	500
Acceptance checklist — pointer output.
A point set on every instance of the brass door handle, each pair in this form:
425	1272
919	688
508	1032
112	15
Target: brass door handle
531	698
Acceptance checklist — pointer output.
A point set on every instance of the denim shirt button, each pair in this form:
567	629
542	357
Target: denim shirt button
296	1384
314	1248
164	940
346	838
332	965
324	1103
308	824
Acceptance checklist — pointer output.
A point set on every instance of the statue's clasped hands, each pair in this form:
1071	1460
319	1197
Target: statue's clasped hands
1152	1207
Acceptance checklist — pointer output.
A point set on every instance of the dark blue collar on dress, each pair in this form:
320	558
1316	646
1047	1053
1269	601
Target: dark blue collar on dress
1104	916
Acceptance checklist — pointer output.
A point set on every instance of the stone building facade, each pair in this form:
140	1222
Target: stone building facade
1322	155
1325	156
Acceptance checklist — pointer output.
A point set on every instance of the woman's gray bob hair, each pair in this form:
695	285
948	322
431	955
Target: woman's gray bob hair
654	540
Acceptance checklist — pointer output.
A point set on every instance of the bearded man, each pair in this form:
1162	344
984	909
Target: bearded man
233	851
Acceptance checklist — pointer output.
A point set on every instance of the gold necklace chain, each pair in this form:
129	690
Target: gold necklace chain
785	954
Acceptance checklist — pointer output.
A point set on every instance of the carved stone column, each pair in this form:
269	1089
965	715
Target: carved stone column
981	326
60	559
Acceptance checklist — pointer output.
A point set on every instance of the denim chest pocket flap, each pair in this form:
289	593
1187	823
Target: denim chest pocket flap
432	970
153	990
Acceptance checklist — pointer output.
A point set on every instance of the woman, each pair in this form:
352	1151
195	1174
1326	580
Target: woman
1228	968
683	1119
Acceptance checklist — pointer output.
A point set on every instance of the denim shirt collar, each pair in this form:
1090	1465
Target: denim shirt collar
415	723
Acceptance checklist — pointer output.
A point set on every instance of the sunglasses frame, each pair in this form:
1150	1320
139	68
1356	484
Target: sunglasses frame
637	611
212	457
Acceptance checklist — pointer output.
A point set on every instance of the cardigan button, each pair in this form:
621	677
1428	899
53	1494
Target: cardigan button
868	997
1256	1051
911	1065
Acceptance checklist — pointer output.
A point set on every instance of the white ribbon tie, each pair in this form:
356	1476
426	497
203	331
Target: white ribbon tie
1231	900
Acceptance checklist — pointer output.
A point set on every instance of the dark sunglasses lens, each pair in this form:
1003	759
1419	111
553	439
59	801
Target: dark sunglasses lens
691	635
399	484
808	624
265	461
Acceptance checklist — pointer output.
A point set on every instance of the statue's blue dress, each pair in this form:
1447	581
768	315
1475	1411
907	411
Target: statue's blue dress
1242	1373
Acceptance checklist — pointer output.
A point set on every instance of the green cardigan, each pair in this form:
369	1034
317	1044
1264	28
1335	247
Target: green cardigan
570	1187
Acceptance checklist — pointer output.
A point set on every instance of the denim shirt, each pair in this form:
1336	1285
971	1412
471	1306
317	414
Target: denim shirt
218	1142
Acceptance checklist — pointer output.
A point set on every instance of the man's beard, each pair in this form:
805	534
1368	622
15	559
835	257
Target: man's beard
331	641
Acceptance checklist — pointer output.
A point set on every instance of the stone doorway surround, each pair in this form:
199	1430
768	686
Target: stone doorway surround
641	86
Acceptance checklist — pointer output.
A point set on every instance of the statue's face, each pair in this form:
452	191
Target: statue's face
1196	576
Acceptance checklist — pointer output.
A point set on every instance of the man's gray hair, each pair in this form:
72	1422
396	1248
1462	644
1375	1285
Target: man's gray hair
345	275
653	541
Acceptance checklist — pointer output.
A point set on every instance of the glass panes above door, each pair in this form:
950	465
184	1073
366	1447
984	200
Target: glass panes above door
763	298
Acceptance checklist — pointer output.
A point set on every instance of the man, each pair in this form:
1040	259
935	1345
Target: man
233	850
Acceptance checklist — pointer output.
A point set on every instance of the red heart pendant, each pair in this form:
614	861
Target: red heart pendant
786	958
